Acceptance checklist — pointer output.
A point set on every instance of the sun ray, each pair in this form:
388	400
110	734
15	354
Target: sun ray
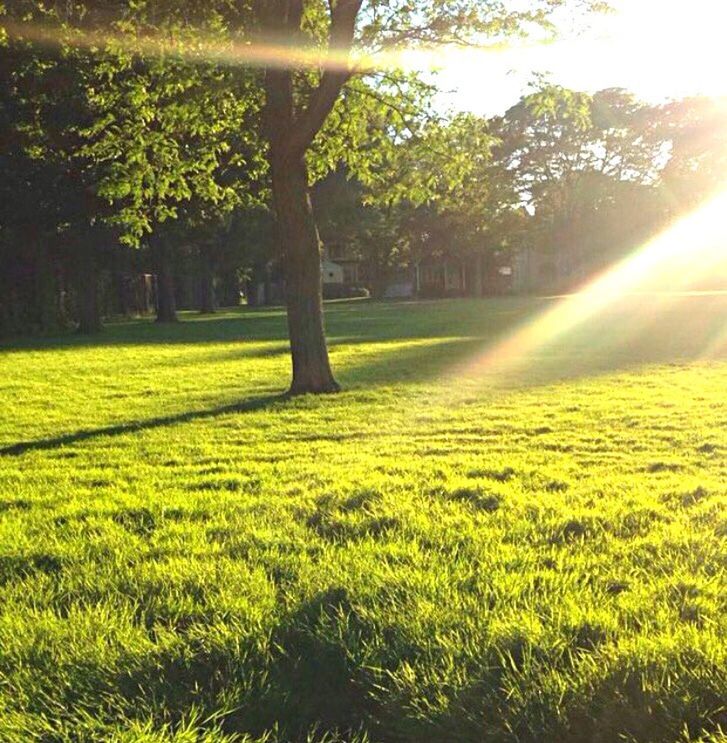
670	266
196	47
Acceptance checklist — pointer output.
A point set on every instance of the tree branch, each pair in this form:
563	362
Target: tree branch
324	97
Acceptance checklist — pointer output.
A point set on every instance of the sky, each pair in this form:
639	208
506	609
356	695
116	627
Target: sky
659	49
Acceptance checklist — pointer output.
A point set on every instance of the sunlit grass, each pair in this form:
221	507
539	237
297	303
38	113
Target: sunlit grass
534	555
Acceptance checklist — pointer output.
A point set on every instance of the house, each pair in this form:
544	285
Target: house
331	273
439	277
338	277
353	270
400	285
341	274
484	274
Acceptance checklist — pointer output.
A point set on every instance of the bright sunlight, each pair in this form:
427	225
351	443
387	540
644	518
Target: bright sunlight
669	267
659	50
363	370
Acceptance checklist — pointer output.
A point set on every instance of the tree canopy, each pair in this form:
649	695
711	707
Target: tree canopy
185	129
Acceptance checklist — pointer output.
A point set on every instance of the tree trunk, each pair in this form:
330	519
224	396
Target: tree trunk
478	287
268	296
89	310
121	282
290	130
207	294
303	288
122	293
45	289
166	302
378	278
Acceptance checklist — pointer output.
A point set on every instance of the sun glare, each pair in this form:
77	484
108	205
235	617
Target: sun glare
655	50
690	255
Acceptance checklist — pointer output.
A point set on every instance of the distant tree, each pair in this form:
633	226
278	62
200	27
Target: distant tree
153	139
433	180
28	209
574	158
696	130
50	204
174	152
368	232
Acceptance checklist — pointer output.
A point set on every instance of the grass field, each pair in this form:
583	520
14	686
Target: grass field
452	549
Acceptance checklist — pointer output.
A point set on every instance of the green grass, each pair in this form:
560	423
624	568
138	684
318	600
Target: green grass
534	553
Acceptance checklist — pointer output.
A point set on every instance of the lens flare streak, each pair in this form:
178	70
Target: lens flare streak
692	251
250	53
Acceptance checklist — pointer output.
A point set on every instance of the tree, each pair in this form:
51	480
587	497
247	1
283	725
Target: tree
50	209
296	113
577	160
301	98
174	150
475	214
28	207
153	139
696	131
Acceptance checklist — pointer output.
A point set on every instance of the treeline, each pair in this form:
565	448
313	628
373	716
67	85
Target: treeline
559	187
135	183
118	171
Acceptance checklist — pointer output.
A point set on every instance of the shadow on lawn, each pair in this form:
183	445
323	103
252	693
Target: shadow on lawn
372	321
355	321
435	361
227	327
408	364
417	347
458	362
247	406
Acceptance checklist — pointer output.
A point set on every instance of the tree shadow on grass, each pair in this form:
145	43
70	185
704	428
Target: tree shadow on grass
314	679
423	360
355	321
459	362
435	361
232	327
361	322
305	679
597	348
246	406
408	362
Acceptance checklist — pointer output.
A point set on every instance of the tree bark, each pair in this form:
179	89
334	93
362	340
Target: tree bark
303	287
290	131
120	279
166	302
207	293
89	309
122	293
45	289
478	287
300	242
